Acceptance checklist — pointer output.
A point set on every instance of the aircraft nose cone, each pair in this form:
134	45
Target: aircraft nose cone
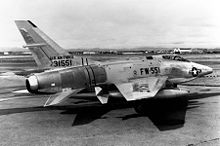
208	70
200	70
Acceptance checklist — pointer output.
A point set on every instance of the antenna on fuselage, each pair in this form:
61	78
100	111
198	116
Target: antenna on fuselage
87	63
82	61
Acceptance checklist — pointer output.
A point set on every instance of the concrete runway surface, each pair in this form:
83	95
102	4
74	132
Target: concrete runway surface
190	121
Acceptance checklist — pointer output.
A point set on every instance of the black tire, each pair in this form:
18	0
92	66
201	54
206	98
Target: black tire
141	107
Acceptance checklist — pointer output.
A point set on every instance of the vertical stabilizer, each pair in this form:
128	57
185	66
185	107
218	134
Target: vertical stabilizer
41	46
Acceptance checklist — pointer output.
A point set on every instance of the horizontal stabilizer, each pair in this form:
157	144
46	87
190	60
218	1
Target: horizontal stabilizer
25	91
34	45
61	96
13	98
141	88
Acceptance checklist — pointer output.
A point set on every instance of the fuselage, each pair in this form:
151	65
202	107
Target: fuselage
176	69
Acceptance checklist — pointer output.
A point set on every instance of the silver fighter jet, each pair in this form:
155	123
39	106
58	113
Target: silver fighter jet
138	79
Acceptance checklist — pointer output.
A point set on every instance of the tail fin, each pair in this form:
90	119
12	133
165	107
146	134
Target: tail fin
41	46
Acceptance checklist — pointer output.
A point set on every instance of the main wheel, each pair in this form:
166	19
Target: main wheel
141	107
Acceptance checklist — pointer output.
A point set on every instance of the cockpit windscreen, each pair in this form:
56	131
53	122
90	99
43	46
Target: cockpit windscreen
175	57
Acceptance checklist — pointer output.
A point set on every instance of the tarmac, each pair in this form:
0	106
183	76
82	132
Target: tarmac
189	121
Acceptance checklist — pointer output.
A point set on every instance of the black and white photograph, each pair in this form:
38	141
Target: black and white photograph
110	73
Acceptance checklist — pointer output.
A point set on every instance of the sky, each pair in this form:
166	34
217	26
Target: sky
115	23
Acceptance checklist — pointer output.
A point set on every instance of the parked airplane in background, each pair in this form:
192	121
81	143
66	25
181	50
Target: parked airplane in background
182	50
149	77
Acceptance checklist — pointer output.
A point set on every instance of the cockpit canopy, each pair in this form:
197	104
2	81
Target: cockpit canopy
175	57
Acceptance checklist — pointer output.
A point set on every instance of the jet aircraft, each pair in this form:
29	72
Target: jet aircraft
134	80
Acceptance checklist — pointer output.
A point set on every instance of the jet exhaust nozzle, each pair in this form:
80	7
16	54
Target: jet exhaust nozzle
32	84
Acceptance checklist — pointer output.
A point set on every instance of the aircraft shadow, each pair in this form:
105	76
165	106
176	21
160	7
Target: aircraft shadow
22	110
30	109
86	115
166	114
